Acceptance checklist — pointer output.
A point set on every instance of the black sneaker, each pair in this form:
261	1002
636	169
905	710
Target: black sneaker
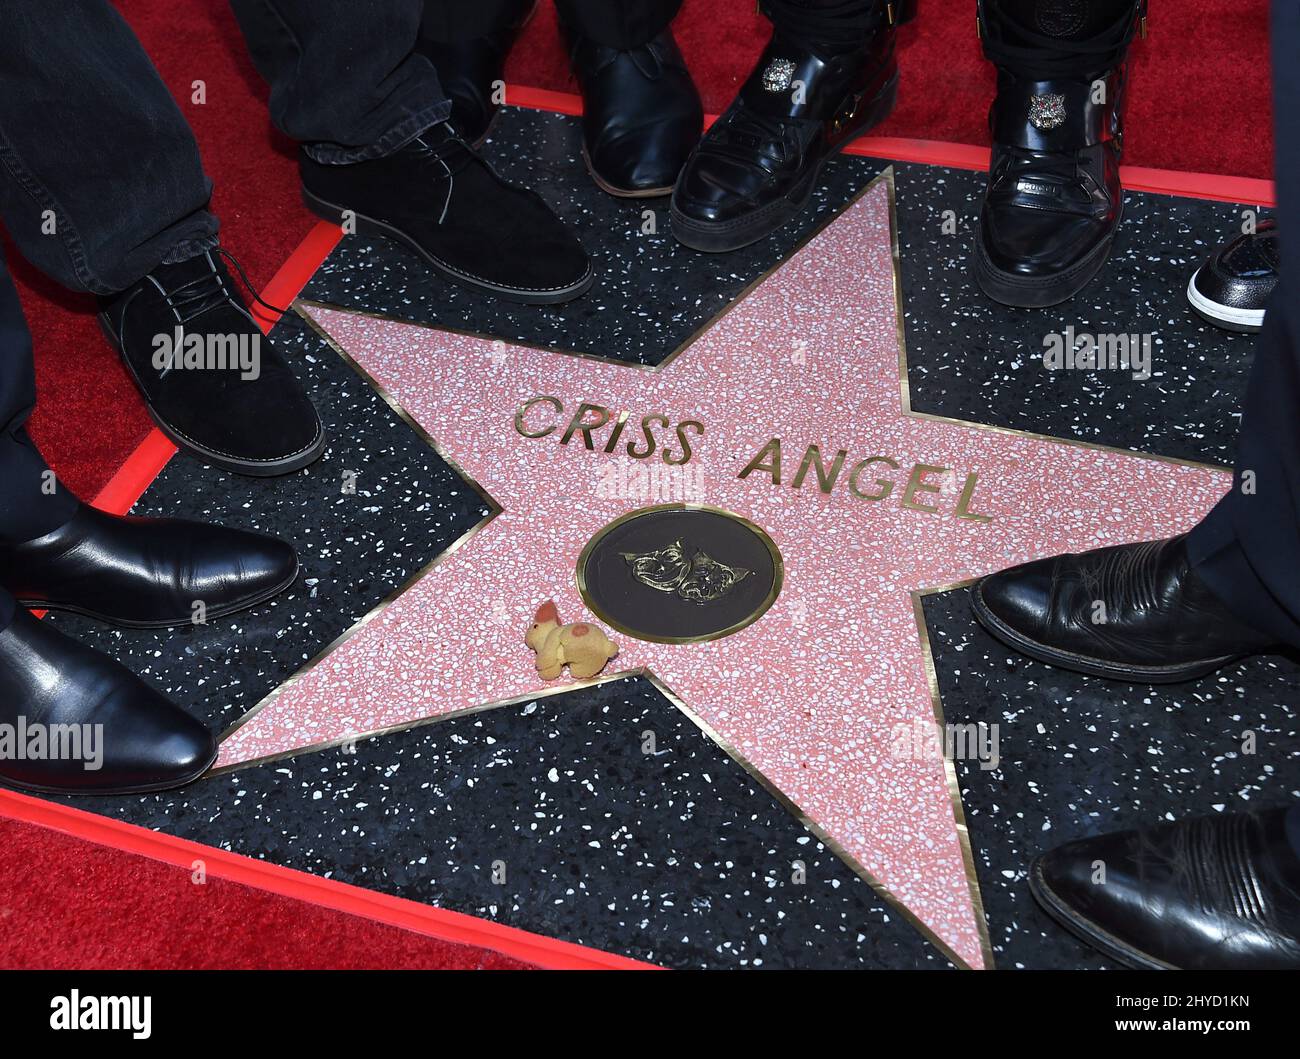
440	198
211	380
1232	288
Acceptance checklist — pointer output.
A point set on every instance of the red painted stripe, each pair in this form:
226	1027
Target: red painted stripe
295	273
549	953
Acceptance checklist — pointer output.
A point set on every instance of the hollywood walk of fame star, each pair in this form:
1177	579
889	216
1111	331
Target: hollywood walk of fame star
810	697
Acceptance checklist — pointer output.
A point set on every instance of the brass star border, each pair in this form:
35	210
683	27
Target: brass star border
494	509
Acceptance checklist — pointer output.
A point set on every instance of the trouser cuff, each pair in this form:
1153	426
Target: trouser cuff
397	137
1219	560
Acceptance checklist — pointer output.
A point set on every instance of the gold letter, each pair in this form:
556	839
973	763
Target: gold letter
886	486
577	426
916	485
554	402
769	452
963	502
825	479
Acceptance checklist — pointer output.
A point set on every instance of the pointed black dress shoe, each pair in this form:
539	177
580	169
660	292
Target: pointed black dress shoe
1135	612
1232	288
757	166
438	197
1221	892
146	573
470	71
80	723
641	113
211	380
1054	200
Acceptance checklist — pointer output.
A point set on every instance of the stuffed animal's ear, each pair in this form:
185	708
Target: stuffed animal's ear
547	613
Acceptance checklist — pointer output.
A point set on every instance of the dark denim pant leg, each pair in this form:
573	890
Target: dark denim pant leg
1248	548
624	25
453	20
345	80
32	501
100	178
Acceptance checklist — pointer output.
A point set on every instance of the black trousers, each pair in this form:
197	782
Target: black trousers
622	24
1248	548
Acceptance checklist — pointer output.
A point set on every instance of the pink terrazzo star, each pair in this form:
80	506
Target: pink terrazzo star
812	694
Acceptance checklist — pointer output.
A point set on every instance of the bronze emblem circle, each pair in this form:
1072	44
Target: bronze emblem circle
680	573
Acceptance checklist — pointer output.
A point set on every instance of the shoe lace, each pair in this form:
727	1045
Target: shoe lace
1042	57
192	299
435	153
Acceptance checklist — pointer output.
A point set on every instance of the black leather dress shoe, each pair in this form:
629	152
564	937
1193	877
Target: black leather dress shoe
67	707
146	573
438	197
1231	290
1054	198
1222	892
470	71
641	113
1135	612
757	165
214	384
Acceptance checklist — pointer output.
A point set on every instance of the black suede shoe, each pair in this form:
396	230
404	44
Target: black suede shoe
641	113
1054	199
757	166
1231	290
1135	612
469	71
1222	892
146	573
438	197
142	741
214	384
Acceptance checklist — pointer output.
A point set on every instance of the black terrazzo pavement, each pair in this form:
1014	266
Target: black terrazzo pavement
1081	756
693	860
675	856
966	352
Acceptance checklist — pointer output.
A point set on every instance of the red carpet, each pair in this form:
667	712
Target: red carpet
69	903
1203	67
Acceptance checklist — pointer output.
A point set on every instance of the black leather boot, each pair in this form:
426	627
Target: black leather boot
1222	892
1054	198
214	384
757	166
641	113
64	707
1135	612
146	573
438	197
469	72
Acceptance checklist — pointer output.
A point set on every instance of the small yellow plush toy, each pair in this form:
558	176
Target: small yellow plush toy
583	648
